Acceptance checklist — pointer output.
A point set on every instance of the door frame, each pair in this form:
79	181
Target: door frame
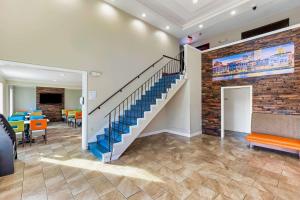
84	85
223	104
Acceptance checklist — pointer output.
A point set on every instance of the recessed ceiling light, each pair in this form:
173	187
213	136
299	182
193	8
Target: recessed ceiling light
195	1
167	27
62	74
233	12
144	15
201	26
54	80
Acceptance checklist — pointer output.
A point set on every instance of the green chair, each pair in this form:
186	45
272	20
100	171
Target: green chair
18	127
71	115
64	114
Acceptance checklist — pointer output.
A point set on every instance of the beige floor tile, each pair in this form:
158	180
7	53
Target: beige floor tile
89	194
153	190
11	192
64	194
6	181
78	184
127	187
140	196
214	169
167	196
40	194
101	185
206	192
113	195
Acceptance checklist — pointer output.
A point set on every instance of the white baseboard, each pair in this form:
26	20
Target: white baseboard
196	133
151	133
175	132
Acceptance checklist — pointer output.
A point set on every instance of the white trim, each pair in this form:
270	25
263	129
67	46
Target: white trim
28	83
196	133
253	38
43	67
84	130
152	133
222	104
10	99
210	15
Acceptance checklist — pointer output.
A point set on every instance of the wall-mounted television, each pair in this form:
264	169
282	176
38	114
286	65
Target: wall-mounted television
50	98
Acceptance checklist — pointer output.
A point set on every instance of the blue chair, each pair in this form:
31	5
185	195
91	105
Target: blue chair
33	117
16	118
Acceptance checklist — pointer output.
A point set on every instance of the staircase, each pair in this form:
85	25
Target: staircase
127	120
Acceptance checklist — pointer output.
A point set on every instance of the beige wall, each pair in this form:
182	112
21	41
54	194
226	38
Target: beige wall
72	98
24	98
85	35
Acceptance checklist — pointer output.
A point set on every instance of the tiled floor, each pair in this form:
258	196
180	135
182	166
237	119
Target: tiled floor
157	167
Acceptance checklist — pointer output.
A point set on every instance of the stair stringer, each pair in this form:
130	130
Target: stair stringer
127	139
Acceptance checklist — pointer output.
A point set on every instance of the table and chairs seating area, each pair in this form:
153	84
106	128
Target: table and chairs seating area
73	118
29	126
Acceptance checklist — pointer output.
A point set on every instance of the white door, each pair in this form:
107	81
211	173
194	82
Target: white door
237	109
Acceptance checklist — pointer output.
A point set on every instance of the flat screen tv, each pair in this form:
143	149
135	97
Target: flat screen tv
50	98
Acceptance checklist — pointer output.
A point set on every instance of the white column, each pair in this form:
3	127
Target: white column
84	142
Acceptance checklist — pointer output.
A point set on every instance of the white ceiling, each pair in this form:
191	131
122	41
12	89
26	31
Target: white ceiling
184	17
25	74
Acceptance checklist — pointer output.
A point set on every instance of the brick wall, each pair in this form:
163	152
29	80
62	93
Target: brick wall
52	111
278	94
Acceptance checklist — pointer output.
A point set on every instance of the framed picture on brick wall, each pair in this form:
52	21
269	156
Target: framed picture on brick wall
278	59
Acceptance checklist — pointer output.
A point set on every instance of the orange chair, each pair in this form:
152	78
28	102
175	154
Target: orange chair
36	126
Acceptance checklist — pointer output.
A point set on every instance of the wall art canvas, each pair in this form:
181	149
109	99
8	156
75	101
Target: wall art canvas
267	61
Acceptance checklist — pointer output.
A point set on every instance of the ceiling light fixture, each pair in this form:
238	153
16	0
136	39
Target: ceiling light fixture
201	26
144	15
167	27
54	80
233	12
195	1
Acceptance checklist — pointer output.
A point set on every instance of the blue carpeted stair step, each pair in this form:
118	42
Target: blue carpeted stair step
140	107
120	126
97	150
115	134
136	114
146	100
103	141
129	121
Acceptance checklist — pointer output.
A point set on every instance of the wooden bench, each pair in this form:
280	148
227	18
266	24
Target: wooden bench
274	142
275	131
